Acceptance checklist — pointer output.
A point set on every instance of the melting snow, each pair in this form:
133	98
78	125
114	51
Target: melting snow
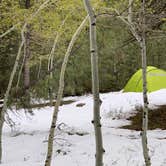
74	142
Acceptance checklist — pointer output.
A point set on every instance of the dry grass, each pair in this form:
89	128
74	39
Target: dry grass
157	119
41	105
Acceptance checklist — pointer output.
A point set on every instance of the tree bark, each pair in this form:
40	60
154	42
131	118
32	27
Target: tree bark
27	54
27	4
9	30
19	74
50	66
95	85
130	15
2	118
51	60
145	97
27	57
60	94
140	37
9	88
1	127
39	70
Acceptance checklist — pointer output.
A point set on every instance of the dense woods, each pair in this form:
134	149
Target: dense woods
45	48
119	55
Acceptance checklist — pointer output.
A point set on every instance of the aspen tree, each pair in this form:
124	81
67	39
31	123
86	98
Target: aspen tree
39	70
51	59
27	55
27	52
2	118
60	94
145	97
95	84
9	88
141	38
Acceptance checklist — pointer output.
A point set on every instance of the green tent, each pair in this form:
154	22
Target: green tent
156	79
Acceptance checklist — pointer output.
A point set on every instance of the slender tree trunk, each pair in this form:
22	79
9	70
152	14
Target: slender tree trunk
130	15
141	40
14	71
145	108
39	70
60	94
1	127
50	66
95	85
9	30
51	60
9	88
19	74
27	57
145	97
27	54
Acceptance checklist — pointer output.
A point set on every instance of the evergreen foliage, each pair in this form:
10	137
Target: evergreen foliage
119	55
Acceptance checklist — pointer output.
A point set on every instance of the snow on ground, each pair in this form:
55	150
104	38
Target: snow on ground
26	144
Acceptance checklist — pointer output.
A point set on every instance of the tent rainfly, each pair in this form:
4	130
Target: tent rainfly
156	80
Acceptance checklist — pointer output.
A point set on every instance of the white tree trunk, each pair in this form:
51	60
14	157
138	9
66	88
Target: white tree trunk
9	30
9	88
145	97
14	70
51	59
50	66
95	85
60	94
141	40
130	15
145	108
19	74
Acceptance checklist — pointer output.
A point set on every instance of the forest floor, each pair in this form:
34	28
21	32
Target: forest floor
26	143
